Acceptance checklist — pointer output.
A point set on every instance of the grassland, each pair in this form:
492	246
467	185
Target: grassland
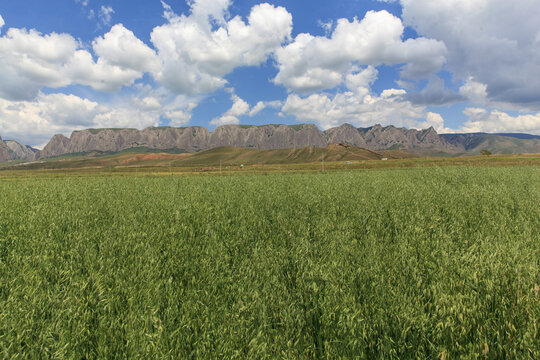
389	263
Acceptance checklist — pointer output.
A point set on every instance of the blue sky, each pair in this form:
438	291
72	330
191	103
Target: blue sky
457	65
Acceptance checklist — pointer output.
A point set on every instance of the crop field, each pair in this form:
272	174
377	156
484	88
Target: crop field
426	262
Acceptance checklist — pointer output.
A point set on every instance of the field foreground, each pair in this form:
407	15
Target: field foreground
397	263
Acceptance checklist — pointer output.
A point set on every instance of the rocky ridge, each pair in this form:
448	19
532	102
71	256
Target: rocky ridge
12	150
5	153
20	152
266	137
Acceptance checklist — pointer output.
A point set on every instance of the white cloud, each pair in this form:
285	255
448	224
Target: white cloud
2	23
437	122
34	122
261	105
241	108
31	60
482	120
392	93
313	63
196	52
361	78
494	41
105	15
474	91
120	47
202	10
82	2
359	108
180	115
231	116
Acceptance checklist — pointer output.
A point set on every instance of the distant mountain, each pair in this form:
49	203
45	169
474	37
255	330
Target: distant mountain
12	150
520	136
497	144
21	152
266	137
5	152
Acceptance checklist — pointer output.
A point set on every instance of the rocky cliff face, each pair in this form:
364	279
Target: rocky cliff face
192	139
345	133
59	145
5	153
12	150
20	152
390	137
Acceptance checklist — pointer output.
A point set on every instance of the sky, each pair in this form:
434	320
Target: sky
455	65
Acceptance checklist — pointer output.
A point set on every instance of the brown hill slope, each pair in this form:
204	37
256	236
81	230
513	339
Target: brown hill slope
224	155
333	152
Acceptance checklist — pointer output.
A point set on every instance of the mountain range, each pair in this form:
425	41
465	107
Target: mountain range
267	137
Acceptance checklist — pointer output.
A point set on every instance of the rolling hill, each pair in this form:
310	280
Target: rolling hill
224	155
497	144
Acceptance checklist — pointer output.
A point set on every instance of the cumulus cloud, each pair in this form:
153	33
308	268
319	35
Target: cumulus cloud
437	122
120	47
354	108
357	106
198	50
494	41
231	116
261	105
241	108
474	91
2	23
202	10
31	60
360	107
34	122
179	112
359	79
314	63
482	120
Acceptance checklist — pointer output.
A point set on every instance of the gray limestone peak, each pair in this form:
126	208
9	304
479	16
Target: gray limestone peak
265	137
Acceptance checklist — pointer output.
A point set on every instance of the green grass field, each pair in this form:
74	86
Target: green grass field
428	262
